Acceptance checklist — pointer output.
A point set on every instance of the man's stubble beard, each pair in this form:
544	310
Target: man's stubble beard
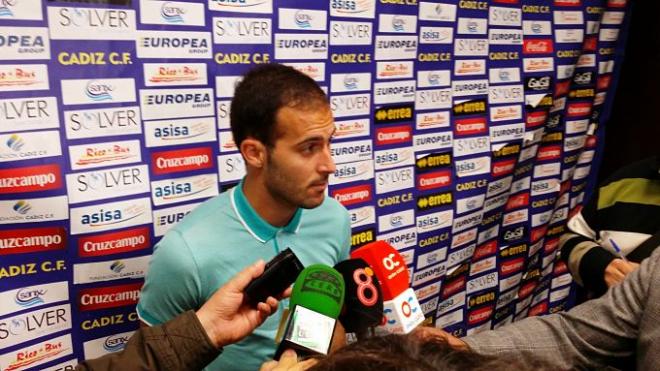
281	188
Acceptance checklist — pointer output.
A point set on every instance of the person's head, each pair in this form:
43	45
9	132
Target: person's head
410	353
282	124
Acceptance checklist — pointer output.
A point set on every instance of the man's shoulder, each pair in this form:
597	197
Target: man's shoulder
205	215
329	211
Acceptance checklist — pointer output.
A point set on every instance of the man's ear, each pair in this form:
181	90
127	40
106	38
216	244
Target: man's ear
254	152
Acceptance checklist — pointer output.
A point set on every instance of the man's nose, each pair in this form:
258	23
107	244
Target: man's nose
327	164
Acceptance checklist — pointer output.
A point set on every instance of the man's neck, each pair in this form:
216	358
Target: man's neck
273	211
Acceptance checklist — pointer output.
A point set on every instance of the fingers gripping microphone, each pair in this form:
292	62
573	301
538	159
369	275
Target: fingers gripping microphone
363	302
315	304
401	310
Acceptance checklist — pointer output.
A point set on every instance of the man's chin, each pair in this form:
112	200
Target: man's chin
313	203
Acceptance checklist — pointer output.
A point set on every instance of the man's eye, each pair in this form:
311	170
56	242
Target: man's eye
310	148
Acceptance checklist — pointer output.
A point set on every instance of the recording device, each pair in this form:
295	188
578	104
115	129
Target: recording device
278	274
401	309
363	300
315	304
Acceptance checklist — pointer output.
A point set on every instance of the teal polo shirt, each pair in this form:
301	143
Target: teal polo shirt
218	239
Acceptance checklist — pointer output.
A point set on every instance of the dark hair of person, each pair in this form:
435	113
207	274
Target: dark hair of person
410	353
262	92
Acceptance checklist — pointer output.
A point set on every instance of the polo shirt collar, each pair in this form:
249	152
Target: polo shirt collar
253	222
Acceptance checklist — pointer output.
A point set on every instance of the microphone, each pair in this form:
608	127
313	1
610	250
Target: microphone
401	309
388	265
363	302
314	306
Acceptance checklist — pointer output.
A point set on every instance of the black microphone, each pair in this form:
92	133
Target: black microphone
363	299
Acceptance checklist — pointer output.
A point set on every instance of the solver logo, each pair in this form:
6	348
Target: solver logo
27	326
67	23
233	30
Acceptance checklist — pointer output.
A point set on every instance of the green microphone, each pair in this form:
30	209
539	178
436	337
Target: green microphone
314	306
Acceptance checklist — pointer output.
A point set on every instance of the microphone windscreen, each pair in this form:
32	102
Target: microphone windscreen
388	265
319	288
363	300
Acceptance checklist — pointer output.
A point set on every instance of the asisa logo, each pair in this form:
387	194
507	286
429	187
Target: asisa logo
103	217
171	13
98	92
109	216
353	8
15	142
303	19
172	132
22	207
183	189
173	190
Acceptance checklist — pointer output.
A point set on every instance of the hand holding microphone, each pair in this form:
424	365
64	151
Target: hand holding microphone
227	318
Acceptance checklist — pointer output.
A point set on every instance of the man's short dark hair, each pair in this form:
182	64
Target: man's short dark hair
262	92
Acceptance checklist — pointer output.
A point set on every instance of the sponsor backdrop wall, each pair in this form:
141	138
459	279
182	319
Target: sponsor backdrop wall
467	133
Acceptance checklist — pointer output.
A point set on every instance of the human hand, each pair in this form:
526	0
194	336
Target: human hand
288	362
227	317
426	332
617	270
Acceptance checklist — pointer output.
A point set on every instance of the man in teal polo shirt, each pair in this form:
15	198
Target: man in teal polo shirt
282	124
